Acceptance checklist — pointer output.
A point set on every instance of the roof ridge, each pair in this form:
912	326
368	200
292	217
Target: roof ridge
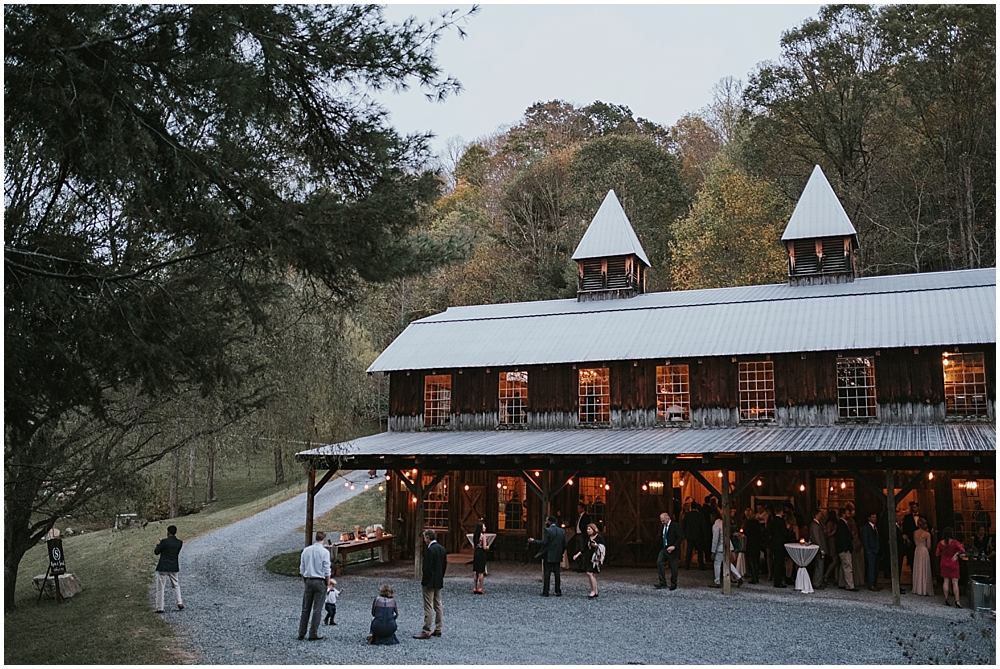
632	306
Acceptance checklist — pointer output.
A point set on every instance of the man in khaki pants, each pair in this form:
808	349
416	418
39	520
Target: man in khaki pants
168	566
435	564
844	541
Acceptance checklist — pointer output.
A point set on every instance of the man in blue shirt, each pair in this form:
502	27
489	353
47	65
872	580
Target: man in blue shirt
314	567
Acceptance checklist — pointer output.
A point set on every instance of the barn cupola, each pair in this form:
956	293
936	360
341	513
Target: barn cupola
611	262
820	238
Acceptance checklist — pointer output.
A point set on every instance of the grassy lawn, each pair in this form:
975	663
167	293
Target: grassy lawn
111	621
366	509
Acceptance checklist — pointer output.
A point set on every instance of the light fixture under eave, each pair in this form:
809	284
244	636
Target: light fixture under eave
537	473
930	476
570	481
843	486
414	499
466	487
760	483
381	487
388	476
802	487
607	486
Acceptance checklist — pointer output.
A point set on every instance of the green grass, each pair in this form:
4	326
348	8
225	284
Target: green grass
111	621
366	509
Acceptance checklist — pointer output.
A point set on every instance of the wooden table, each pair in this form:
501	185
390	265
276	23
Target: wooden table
342	549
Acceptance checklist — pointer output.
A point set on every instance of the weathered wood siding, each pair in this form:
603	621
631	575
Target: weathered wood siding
909	388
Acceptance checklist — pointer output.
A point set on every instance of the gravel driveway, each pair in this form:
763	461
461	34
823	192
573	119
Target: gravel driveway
238	613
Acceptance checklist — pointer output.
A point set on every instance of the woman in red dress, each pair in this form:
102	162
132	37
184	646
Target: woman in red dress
948	550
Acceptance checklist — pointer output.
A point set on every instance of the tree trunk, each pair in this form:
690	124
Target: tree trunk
175	475
210	474
279	467
192	453
16	542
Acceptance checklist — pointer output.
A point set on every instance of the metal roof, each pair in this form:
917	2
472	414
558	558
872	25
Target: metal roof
818	212
610	234
910	310
946	438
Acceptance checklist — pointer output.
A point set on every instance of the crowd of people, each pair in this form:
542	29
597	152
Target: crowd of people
851	554
852	551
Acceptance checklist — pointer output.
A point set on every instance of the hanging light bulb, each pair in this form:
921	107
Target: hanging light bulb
466	486
645	487
414	499
570	481
843	486
537	473
607	486
720	475
381	487
352	486
347	484
499	485
366	486
387	476
802	487
930	476
759	483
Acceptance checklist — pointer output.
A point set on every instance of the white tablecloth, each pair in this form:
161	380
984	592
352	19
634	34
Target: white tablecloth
489	538
802	555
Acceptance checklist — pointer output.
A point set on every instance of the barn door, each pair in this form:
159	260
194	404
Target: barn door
473	507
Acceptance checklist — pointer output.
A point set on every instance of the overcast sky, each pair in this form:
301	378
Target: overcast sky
660	60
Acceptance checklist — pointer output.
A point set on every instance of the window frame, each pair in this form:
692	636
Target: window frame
751	399
437	401
844	400
684	403
978	386
602	405
504	397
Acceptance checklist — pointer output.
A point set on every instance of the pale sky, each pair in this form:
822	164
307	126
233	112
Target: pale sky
660	60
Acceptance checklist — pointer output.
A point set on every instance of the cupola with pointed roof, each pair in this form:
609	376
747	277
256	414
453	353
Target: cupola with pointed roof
820	239
611	262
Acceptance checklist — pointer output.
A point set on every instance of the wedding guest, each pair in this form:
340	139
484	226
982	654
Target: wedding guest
948	551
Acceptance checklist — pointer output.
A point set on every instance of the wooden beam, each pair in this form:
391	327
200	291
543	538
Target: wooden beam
704	481
310	504
727	586
890	511
914	482
558	490
866	482
533	485
746	484
326	479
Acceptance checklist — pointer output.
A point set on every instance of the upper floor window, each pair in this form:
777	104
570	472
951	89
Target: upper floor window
964	384
673	393
513	398
595	395
856	387
437	399
756	390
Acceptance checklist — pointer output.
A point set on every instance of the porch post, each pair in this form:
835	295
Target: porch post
418	525
310	503
890	498
727	586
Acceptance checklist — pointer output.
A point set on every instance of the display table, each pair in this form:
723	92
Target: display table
341	549
802	555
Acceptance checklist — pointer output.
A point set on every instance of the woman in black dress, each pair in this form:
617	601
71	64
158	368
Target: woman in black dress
479	558
595	553
384	614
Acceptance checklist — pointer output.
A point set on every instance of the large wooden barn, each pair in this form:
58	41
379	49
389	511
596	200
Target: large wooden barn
823	390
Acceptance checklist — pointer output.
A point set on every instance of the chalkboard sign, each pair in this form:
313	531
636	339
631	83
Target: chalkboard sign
57	561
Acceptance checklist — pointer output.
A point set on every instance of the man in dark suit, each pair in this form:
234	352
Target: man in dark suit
778	531
551	548
844	543
693	524
580	538
871	542
435	564
670	552
168	567
910	521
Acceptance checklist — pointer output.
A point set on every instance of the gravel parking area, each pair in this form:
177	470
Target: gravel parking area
237	613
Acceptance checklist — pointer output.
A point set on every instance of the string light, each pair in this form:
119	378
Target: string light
759	483
607	486
467	486
570	481
645	487
387	476
537	473
381	487
802	487
414	499
930	476
843	486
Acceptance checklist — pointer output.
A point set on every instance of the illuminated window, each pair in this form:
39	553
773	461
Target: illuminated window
673	393
834	493
436	504
594	495
511	491
757	390
595	396
856	387
513	398
964	384
437	399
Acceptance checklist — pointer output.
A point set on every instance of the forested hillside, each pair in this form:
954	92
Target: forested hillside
186	268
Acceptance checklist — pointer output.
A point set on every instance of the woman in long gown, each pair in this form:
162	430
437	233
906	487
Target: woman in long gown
948	550
384	614
923	579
